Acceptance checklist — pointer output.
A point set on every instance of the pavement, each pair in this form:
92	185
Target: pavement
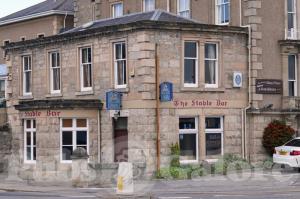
246	185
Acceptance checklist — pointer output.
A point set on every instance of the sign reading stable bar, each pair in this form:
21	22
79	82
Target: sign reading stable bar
268	86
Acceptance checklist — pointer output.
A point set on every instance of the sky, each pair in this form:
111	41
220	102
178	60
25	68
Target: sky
10	6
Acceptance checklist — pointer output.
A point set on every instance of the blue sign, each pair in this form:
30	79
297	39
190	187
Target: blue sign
166	92
113	100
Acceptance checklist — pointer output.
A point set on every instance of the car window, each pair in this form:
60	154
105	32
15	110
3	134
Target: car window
295	142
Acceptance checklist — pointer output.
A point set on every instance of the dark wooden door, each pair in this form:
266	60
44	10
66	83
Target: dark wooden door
121	140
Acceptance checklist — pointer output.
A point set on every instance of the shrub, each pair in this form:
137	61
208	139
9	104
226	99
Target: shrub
175	153
276	134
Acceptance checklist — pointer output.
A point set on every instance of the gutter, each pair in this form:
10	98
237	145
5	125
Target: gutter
245	151
33	16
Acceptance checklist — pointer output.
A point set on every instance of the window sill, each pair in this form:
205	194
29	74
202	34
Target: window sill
26	97
122	90
189	89
82	93
54	95
184	162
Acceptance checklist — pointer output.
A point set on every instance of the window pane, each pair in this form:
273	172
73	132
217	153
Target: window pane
27	82
213	123
190	49
190	71
28	153
34	124
81	123
290	21
187	123
226	13
118	49
188	150
56	79
34	153
67	152
291	89
87	75
290	5
123	51
34	138
67	123
2	85
292	67
28	124
67	138
213	143
28	138
210	51
53	60
121	70
210	72
81	138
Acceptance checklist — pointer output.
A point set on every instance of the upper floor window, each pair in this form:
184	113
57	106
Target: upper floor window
211	65
190	64
183	7
117	9
222	11
27	73
148	5
292	75
86	69
54	72
291	19
2	89
120	68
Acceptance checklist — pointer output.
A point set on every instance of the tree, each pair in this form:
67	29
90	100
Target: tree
276	134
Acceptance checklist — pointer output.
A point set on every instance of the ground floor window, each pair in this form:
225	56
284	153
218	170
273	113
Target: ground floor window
74	134
30	140
214	136
188	139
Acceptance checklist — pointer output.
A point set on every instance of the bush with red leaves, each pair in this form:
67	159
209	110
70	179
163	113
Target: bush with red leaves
276	134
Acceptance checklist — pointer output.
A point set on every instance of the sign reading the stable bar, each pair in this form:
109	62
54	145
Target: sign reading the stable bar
200	103
268	86
113	100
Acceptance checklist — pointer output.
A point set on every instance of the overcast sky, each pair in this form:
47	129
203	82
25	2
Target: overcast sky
10	6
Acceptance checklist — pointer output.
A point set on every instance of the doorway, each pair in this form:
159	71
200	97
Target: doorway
120	139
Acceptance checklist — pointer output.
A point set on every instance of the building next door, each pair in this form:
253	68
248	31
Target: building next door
121	139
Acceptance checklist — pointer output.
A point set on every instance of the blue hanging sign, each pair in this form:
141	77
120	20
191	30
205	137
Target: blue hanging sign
166	92
113	100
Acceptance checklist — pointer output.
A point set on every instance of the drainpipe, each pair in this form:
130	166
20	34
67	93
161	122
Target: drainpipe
245	152
157	111
99	136
168	6
65	20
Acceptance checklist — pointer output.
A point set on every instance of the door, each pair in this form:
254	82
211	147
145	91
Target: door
120	140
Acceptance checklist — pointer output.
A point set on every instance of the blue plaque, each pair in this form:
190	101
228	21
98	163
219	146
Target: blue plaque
166	92
113	100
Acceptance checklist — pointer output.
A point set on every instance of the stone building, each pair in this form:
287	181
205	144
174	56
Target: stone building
273	57
60	82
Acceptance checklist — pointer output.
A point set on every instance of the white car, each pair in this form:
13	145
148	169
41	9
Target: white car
288	154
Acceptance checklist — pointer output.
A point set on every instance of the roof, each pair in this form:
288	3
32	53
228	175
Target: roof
45	8
154	20
156	15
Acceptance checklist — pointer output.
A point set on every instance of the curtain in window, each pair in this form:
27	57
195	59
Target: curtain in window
210	64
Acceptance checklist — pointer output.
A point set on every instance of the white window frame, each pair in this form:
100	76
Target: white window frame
216	85
152	6
180	11
292	33
116	66
58	67
5	87
191	131
219	130
82	88
188	85
29	70
296	77
74	130
220	15
113	7
32	131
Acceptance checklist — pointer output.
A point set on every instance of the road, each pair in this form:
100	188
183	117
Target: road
257	185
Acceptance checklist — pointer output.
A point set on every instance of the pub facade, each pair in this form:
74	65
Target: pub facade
58	90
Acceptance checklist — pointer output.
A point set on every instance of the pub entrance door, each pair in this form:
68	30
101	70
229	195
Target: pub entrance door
121	139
